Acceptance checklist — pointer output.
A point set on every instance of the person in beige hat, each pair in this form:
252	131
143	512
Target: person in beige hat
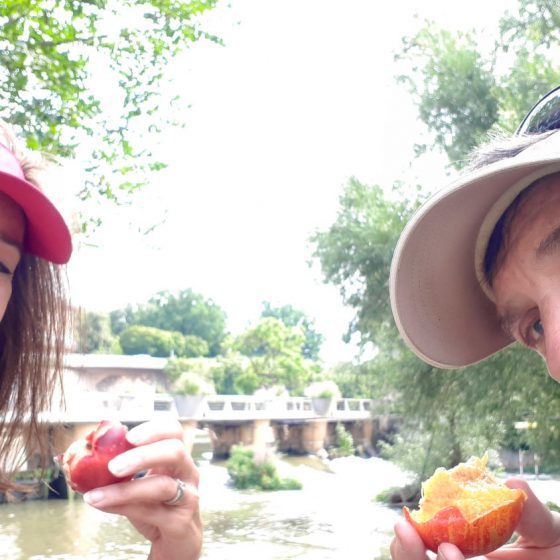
476	269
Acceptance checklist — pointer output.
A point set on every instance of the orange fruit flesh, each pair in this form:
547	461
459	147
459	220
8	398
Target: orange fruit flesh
469	487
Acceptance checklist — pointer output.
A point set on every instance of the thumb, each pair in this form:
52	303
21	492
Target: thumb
448	551
407	544
538	524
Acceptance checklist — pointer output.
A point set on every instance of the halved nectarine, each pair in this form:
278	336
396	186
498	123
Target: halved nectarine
468	507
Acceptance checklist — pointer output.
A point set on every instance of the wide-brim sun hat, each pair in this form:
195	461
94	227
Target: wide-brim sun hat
46	233
441	305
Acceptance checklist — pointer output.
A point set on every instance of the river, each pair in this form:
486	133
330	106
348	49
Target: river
333	517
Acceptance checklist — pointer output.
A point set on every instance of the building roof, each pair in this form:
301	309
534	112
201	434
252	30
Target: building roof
113	361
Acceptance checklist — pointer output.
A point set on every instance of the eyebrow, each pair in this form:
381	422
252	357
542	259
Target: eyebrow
8	240
550	244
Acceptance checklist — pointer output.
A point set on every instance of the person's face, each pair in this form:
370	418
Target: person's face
527	283
12	231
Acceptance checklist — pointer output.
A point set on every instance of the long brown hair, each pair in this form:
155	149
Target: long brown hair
32	344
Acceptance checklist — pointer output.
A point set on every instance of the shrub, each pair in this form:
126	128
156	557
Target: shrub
345	443
245	472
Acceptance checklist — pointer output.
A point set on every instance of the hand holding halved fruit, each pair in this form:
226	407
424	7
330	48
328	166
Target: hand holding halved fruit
468	507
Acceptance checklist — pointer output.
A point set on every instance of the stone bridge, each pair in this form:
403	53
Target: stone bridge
290	424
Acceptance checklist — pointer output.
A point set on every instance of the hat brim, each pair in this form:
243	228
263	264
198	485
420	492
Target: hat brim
46	235
439	306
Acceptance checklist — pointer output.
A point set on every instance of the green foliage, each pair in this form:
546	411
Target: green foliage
553	506
229	376
54	56
275	357
92	334
190	376
186	385
246	472
464	94
355	252
458	116
535	24
465	408
147	340
292	317
344	443
357	380
187	313
462	97
193	346
201	366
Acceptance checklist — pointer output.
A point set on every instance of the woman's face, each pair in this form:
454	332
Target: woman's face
527	283
12	231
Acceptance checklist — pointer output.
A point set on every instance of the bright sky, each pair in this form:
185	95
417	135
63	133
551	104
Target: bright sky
301	97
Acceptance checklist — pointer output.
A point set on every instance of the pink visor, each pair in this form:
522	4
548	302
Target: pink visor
46	235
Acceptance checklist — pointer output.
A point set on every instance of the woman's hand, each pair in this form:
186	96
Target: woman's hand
175	531
539	531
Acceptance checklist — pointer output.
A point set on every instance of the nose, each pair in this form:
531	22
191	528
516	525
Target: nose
551	322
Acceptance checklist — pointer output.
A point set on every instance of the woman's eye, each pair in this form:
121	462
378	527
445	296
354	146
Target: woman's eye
4	269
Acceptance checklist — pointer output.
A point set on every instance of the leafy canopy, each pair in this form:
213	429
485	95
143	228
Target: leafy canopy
293	317
186	312
87	77
463	95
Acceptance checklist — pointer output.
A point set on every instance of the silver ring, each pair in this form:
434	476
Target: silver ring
181	487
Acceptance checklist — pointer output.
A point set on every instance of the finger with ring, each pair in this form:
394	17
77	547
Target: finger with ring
175	501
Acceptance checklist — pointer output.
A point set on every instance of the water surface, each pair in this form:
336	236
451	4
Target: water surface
333	517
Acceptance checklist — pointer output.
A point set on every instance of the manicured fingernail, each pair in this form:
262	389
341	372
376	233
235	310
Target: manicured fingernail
138	435
441	555
118	465
93	497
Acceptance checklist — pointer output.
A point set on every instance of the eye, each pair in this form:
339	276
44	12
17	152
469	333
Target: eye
4	269
534	333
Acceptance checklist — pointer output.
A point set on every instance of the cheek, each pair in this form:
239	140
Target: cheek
5	294
550	349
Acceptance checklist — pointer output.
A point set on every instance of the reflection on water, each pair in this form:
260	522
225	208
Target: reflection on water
331	518
68	530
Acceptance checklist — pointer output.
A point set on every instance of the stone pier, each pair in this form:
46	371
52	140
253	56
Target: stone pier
301	437
225	435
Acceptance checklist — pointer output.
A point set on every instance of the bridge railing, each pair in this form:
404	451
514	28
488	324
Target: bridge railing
240	407
92	406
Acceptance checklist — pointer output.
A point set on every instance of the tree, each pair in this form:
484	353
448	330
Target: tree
461	98
458	116
450	415
292	317
190	376
187	312
193	346
139	339
276	358
56	55
229	376
356	380
463	94
92	334
355	253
